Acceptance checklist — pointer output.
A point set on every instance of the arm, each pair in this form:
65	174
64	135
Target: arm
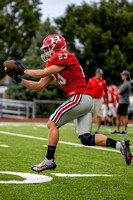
122	89
44	72
37	85
106	94
114	97
119	92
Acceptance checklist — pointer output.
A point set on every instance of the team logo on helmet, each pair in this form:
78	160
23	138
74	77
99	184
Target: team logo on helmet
55	39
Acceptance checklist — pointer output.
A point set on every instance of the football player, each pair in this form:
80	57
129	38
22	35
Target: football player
112	106
63	67
104	110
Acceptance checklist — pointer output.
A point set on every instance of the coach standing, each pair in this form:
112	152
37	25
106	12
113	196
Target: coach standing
124	92
97	85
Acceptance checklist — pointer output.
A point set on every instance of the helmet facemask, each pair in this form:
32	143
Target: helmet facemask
47	52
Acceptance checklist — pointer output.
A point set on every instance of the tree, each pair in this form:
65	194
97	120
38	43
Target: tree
19	21
101	36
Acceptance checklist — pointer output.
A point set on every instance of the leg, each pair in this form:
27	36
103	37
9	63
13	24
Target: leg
117	122
100	140
125	121
98	113
75	107
98	122
53	133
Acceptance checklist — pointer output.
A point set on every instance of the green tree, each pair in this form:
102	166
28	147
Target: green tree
101	36
19	21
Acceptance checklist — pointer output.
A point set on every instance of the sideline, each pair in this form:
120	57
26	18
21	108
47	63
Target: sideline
61	142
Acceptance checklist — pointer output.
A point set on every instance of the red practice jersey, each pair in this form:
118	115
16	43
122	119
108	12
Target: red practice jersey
117	97
97	87
111	96
72	78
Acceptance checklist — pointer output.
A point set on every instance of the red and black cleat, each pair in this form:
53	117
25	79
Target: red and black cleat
125	150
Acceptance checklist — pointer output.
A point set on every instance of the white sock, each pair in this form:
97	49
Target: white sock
118	145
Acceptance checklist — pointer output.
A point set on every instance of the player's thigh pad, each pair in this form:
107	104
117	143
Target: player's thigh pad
83	124
77	106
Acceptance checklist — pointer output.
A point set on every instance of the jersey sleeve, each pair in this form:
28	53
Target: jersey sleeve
63	58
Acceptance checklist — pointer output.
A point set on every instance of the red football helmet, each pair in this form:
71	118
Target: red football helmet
52	44
112	88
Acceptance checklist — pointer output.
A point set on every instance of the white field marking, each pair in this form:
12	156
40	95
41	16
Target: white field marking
29	178
37	124
17	124
79	175
45	145
3	145
42	125
61	142
130	124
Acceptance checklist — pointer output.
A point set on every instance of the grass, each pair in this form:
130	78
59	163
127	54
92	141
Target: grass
25	152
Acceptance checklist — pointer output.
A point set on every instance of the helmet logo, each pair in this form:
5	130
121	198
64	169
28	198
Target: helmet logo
55	39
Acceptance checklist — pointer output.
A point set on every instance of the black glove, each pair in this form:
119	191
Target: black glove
21	67
14	77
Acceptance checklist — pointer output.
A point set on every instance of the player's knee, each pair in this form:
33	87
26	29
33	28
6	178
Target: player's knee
87	139
51	124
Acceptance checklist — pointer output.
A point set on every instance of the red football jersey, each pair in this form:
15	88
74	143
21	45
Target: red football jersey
111	96
72	78
97	87
117	97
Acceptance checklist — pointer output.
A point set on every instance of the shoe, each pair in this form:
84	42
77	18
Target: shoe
44	165
97	131
124	133
115	132
125	150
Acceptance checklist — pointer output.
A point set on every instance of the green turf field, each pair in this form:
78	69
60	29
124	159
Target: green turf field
72	161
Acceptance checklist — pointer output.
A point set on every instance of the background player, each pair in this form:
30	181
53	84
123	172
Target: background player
62	66
97	85
104	110
112	106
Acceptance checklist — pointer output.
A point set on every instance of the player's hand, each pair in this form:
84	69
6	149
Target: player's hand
21	67
14	77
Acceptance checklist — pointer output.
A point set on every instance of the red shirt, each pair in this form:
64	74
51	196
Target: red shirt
117	97
97	87
72	78
111	96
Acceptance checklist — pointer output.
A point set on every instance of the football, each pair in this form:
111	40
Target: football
10	67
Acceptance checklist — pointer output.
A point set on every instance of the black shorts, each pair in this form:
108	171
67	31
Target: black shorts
122	109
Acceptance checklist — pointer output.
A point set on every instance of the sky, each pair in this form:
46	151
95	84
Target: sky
56	8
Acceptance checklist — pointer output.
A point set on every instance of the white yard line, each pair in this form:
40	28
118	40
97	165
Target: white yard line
79	175
3	145
61	142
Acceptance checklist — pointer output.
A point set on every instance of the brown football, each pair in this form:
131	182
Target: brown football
11	67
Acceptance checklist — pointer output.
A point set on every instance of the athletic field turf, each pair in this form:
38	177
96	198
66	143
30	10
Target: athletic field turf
82	173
